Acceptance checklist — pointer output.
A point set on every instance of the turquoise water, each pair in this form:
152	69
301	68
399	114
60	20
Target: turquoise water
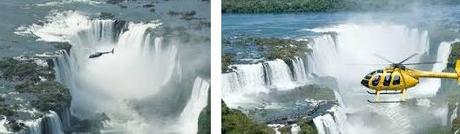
294	25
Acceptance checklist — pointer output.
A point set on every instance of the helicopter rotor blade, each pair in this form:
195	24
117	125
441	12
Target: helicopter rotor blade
421	63
408	58
368	64
383	58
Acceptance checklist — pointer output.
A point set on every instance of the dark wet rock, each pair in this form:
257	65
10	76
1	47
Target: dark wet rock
15	126
115	1
63	45
152	10
106	15
122	6
91	125
119	27
185	15
148	5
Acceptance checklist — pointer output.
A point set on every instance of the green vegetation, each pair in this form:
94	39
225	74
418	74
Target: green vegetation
276	48
436	130
65	46
51	95
13	69
276	6
454	55
227	60
6	111
307	127
450	88
204	120
456	124
236	122
271	48
281	6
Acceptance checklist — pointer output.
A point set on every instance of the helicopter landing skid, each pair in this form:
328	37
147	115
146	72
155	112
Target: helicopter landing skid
384	101
385	92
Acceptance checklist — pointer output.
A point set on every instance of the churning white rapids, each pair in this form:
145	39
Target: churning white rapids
339	56
141	65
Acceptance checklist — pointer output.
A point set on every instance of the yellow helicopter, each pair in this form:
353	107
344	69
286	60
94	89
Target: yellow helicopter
397	79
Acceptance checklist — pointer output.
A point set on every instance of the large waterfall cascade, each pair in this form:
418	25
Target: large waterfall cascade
250	79
355	44
336	56
142	62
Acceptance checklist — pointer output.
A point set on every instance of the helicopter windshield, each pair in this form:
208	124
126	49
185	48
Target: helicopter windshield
376	79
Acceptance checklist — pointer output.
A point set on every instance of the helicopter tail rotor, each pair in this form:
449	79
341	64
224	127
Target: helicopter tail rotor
457	70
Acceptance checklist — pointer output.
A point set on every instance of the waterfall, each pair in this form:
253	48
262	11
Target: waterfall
247	80
49	124
340	57
142	64
52	124
66	119
295	129
251	77
325	124
281	76
230	84
34	127
299	70
196	103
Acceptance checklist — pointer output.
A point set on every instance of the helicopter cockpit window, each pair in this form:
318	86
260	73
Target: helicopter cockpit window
387	80
368	76
373	72
396	80
376	80
379	71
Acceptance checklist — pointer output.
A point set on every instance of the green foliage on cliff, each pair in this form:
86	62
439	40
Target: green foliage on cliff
51	95
227	60
307	127
236	122
204	120
281	6
454	55
275	48
449	87
456	124
275	6
12	69
285	49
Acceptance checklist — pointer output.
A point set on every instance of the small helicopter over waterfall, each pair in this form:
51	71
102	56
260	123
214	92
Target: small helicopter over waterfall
98	54
397	79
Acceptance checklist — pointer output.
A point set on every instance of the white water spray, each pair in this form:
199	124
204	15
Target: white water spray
141	65
356	44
